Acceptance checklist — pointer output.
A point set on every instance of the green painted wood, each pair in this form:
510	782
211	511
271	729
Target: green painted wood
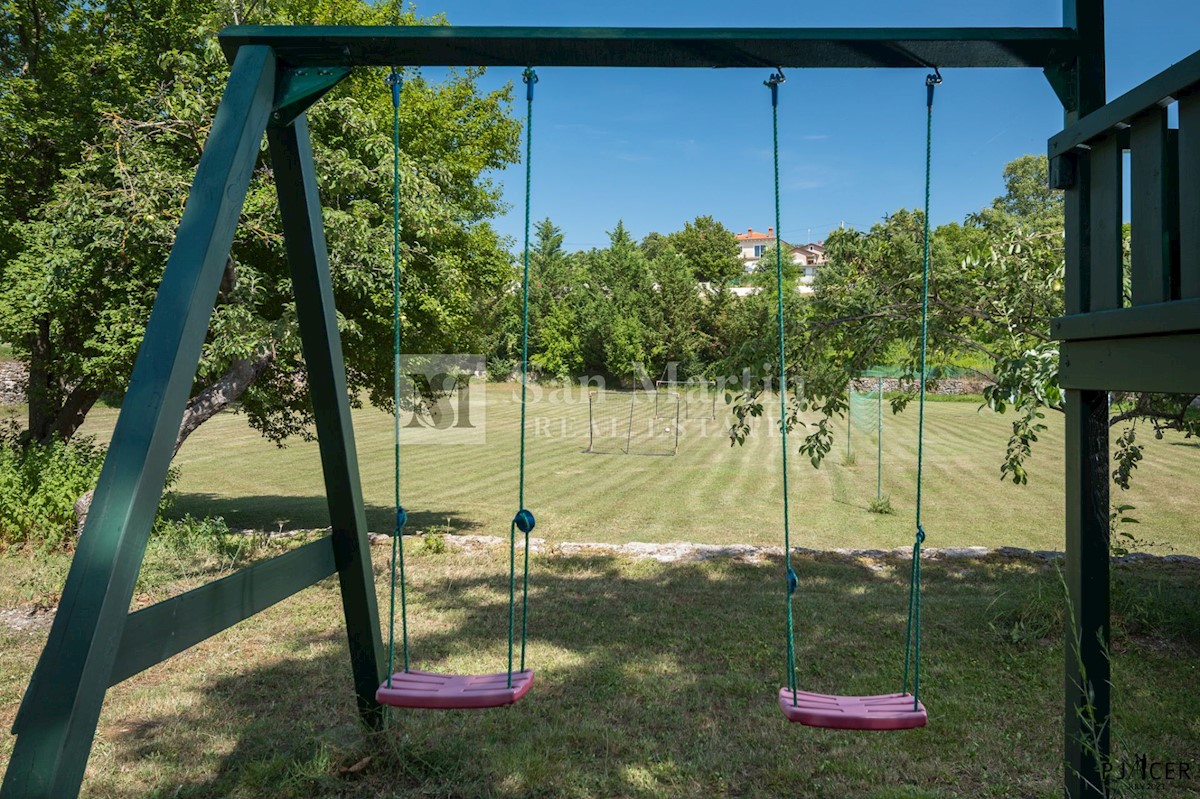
1077	239
1174	316
1107	246
1086	448
1087	706
297	89
1174	82
58	716
1189	196
1161	364
163	630
299	205
657	47
1150	203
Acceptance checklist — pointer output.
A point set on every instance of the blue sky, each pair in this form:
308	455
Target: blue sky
656	148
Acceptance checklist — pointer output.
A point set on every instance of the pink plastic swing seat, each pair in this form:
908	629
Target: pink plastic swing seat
422	689
882	712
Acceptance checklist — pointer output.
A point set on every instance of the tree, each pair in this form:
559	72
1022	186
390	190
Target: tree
554	294
710	249
995	284
78	291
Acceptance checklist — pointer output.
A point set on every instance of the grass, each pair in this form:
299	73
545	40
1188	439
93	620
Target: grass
708	493
653	680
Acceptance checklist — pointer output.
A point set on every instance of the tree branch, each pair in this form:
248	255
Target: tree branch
227	389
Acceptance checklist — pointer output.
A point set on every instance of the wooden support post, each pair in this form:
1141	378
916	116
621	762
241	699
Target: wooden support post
304	236
1189	196
1151	202
1087	565
57	719
1107	250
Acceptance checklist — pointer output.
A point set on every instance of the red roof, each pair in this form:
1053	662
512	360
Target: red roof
751	233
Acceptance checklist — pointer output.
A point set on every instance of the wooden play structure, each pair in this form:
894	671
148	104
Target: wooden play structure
1152	345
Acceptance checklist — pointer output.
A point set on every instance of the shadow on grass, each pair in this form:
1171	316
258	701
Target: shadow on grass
652	680
303	513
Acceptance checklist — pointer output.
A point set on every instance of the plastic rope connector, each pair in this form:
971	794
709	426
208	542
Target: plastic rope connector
395	80
792	580
931	81
524	521
529	78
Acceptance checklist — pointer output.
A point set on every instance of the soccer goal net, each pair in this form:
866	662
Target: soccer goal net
633	423
697	399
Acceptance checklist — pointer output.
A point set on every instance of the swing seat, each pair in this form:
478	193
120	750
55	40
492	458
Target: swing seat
882	712
422	689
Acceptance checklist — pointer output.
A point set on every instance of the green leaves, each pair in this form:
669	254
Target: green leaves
88	248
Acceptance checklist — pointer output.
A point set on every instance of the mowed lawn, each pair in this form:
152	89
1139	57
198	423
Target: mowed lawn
652	680
709	492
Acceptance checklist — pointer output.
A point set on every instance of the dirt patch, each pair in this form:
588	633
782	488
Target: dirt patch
27	617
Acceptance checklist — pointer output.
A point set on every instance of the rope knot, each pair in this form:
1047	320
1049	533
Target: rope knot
401	520
920	535
524	521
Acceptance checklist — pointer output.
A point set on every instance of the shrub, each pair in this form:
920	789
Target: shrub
39	485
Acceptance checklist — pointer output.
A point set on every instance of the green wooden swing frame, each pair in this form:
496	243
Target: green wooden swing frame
277	73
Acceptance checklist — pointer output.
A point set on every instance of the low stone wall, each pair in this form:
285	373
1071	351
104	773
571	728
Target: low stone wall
955	385
686	552
13	379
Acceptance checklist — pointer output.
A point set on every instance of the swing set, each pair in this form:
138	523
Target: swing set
278	72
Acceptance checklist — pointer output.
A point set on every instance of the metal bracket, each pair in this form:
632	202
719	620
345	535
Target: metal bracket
297	89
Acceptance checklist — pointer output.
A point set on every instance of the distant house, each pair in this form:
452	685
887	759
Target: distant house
811	256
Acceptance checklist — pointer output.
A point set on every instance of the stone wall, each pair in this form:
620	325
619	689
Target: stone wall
964	385
12	383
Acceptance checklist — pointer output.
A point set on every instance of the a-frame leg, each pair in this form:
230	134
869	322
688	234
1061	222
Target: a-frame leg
299	205
58	717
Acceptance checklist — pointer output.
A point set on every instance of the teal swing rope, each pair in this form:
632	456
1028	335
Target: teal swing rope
912	644
396	82
524	519
773	83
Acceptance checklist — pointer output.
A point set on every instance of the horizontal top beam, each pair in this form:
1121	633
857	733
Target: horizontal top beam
1161	90
328	46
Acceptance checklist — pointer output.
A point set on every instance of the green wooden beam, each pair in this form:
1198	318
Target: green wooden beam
304	237
443	45
1086	683
1152	185
58	716
297	89
1189	196
161	631
1107	241
1160	364
1183	78
1087	709
1177	316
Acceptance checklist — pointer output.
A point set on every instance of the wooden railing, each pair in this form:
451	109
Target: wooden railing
1164	271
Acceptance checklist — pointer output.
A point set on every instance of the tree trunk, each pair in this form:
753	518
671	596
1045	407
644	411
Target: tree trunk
40	393
74	410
